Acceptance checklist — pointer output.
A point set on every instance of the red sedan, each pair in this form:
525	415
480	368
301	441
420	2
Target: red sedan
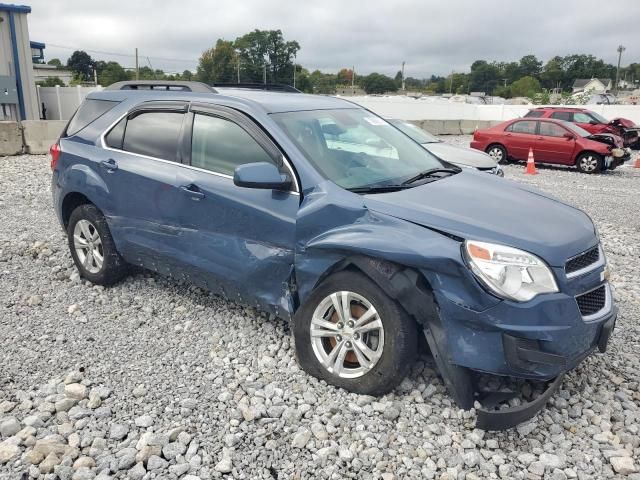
552	141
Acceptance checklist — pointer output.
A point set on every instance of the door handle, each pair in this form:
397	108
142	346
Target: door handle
111	165
193	191
508	135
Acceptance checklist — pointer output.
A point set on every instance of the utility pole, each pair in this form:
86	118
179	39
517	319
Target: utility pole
621	49
137	69
402	77
294	71
264	74
353	77
451	84
238	57
95	76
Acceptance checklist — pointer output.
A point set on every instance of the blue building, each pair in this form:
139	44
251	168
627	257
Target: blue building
18	98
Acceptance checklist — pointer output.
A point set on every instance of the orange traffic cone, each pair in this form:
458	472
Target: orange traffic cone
531	164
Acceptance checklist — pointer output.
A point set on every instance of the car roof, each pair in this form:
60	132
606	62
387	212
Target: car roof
572	109
268	101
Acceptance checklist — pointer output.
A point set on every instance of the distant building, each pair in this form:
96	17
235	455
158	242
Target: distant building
593	85
42	71
18	99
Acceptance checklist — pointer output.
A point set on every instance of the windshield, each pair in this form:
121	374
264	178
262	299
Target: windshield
414	132
354	148
598	117
576	129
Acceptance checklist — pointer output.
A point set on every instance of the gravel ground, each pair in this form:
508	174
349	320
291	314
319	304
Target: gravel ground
154	379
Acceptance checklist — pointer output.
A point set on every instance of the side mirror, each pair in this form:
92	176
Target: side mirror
263	175
569	136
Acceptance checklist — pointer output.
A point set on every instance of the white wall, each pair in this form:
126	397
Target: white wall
62	102
415	109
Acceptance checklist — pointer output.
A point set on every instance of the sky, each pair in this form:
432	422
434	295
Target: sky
373	35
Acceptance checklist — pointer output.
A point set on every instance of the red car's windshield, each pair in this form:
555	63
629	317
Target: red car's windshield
598	117
576	129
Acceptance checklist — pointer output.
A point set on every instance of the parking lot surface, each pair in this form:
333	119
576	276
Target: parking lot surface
155	379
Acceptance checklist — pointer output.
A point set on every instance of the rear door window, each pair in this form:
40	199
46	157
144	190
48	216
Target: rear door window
566	116
87	113
154	134
548	129
526	126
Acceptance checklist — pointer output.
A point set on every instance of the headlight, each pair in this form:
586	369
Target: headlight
508	272
617	152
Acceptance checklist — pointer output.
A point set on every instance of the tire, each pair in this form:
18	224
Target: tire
498	153
394	345
89	238
589	162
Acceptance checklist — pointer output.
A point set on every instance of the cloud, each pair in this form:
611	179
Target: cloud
374	35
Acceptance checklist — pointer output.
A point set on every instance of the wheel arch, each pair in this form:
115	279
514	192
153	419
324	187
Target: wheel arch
70	202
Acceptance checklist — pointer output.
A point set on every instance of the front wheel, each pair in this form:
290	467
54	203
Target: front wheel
92	247
351	334
589	162
498	153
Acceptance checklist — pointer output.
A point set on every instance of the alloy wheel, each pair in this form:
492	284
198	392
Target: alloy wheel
88	245
347	334
496	153
588	163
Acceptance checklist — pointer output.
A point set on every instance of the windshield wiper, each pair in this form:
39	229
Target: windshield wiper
429	173
378	188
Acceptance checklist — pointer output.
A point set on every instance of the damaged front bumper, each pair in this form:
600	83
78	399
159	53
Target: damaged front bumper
490	417
536	343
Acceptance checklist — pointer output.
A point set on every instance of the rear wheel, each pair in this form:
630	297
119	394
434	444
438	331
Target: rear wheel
589	162
92	247
351	334
497	152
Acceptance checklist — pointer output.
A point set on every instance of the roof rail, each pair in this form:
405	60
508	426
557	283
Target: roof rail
275	87
160	85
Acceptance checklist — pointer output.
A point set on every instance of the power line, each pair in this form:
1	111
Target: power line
120	54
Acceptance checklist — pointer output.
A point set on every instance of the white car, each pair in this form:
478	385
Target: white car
460	156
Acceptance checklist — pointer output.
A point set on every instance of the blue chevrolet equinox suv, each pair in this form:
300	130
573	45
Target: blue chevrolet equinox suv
322	213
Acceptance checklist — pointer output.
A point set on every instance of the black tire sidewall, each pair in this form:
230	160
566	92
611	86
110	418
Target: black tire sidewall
400	336
113	267
586	154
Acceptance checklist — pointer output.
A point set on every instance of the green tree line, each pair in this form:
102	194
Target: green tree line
265	55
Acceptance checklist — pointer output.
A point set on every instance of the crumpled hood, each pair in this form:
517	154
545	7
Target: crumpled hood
625	122
460	156
474	205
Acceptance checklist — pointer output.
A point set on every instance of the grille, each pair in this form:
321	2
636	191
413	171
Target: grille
592	302
583	260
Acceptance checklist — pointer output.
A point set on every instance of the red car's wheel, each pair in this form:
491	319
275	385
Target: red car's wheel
589	162
497	152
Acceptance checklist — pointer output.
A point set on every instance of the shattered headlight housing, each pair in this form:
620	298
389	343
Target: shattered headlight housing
508	272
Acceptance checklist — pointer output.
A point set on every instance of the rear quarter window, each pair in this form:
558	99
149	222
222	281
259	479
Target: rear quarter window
87	113
534	113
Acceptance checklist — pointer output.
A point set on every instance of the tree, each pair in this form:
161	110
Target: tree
378	83
112	72
345	76
525	87
50	82
484	76
530	66
81	64
187	75
262	50
55	62
218	64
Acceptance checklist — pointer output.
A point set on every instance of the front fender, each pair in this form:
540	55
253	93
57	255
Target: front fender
357	231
